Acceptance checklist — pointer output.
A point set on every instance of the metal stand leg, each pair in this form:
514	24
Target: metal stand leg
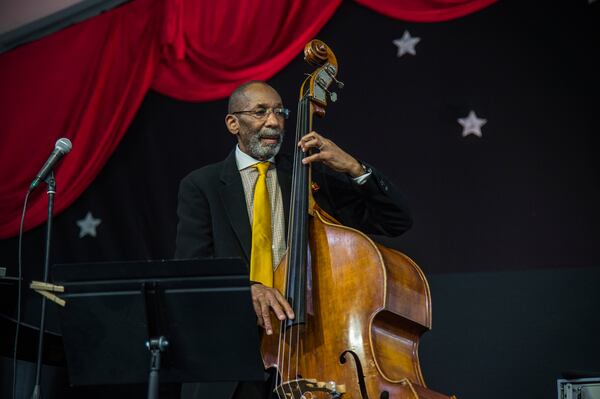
156	346
37	391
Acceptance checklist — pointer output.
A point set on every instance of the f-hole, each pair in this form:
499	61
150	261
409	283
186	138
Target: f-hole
359	372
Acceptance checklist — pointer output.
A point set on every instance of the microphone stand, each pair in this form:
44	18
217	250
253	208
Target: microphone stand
37	393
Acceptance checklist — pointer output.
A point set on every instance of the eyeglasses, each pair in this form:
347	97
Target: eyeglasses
263	113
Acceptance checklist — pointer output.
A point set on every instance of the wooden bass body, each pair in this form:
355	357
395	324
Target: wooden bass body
366	306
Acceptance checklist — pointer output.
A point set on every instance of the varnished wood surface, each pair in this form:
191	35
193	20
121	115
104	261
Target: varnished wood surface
363	298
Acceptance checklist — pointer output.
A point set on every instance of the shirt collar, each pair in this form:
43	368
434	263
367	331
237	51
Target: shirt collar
244	160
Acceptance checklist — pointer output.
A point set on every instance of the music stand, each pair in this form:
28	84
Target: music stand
195	317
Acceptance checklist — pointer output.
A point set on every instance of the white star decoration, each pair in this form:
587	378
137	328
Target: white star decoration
472	124
87	225
406	44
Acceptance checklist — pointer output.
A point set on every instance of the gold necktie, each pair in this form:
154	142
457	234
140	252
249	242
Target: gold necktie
261	257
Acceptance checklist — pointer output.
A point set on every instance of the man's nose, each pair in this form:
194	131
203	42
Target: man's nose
273	120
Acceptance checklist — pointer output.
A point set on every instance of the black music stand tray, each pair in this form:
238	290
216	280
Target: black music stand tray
191	319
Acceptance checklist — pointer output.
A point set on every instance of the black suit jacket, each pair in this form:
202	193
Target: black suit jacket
213	222
213	217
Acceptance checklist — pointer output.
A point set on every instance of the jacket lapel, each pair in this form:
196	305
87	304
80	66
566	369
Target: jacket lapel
234	201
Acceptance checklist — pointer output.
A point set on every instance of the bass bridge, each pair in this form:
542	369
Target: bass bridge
306	388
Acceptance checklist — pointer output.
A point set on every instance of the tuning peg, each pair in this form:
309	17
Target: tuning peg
331	72
339	84
332	95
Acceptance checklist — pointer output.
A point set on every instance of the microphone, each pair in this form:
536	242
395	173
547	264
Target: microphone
61	147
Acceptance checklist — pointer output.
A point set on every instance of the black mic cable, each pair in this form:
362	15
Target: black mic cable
19	280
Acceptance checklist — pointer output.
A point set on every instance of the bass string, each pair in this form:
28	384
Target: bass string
300	180
296	175
303	186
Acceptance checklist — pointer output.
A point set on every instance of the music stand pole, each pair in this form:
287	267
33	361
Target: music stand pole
156	346
37	393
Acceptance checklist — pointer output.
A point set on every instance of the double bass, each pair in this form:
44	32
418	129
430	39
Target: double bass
360	307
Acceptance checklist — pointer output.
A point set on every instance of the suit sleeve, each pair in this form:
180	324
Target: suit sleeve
194	228
376	207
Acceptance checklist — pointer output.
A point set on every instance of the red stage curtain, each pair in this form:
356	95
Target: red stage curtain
86	82
222	44
425	10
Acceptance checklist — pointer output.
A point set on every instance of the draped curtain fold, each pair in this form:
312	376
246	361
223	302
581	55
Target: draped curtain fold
425	10
225	43
86	82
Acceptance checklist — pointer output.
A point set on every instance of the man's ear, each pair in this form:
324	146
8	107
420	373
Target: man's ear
232	123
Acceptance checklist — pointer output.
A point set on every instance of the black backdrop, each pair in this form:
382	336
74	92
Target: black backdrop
506	225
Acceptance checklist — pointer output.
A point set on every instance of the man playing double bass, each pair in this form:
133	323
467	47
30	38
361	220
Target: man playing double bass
218	204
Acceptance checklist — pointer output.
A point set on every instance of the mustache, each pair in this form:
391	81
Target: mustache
270	132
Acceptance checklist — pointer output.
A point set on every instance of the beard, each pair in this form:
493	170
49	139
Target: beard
259	150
